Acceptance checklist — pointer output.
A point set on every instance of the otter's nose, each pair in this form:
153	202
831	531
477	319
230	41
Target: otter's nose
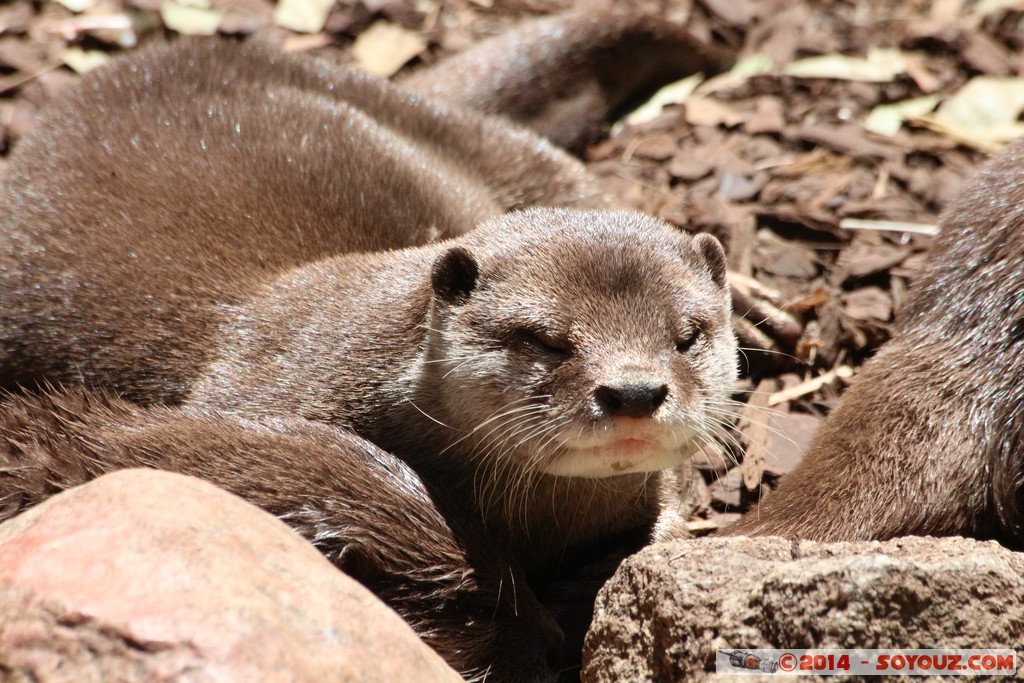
631	399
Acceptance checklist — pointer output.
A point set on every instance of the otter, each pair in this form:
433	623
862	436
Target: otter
367	511
929	440
217	229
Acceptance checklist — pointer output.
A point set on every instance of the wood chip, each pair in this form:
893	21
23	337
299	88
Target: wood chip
810	386
78	5
889	226
190	21
82	61
302	16
657	147
703	111
881	65
384	48
868	304
846	138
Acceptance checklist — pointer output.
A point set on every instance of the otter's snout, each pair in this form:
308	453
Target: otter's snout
631	398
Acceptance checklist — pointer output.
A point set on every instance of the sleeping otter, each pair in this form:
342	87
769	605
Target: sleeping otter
251	237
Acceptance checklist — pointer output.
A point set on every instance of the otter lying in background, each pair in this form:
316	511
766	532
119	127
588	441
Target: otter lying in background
296	272
930	438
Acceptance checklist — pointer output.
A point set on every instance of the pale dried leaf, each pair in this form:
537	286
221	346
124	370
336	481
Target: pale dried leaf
880	66
887	119
982	103
306	42
989	7
988	140
701	111
123	29
302	16
946	10
810	386
673	93
82	61
77	5
889	226
736	76
384	48
190	21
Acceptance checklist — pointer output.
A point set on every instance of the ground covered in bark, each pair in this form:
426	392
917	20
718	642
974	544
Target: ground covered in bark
822	159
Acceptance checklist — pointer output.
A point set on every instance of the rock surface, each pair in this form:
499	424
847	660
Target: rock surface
150	576
671	606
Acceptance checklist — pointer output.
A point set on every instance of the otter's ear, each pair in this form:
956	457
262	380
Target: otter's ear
454	275
710	249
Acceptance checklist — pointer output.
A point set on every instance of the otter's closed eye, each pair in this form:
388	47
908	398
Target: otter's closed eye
688	340
541	340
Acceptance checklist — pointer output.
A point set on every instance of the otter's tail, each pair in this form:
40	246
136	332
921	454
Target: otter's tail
564	76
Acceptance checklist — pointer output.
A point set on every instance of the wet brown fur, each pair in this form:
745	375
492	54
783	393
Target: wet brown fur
176	231
929	439
364	509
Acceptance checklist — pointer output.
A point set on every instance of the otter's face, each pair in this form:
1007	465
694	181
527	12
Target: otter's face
600	345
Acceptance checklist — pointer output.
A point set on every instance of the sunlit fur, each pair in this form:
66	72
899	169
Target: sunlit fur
222	227
617	291
450	388
434	567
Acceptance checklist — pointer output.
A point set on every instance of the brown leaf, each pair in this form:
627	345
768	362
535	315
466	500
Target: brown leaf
658	147
869	304
860	259
846	138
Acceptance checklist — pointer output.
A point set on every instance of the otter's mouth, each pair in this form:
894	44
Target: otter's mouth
622	448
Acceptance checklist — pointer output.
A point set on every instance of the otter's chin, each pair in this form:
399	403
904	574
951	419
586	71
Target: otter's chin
623	456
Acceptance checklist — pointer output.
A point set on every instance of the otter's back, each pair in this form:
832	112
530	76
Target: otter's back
167	184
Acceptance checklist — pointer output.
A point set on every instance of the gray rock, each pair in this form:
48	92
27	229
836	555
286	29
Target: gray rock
670	607
150	576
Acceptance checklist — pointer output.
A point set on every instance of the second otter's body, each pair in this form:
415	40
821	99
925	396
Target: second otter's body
929	439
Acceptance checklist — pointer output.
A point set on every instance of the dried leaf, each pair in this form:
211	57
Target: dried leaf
868	304
789	439
77	5
305	43
887	119
880	66
673	93
848	139
989	7
658	147
740	72
190	21
985	141
983	105
946	10
864	259
810	386
733	12
302	16
384	48
82	61
701	111
754	429
889	226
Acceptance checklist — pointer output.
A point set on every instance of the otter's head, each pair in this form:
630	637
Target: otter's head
587	344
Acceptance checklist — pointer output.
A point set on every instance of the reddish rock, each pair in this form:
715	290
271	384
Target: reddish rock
150	576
